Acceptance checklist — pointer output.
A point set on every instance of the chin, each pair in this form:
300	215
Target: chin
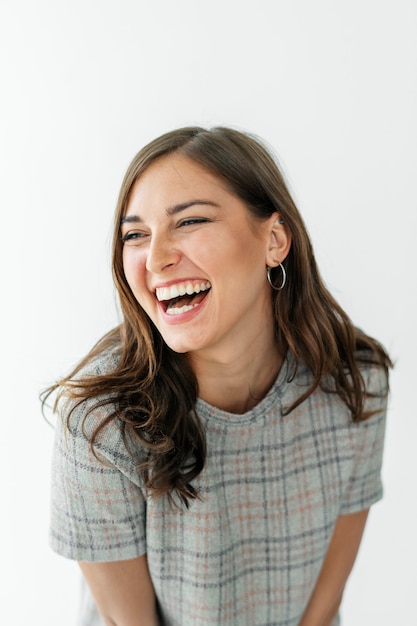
183	345
177	348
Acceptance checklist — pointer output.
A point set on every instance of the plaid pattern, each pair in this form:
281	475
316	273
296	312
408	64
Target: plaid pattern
250	551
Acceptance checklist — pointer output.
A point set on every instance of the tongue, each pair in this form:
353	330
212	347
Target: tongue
181	301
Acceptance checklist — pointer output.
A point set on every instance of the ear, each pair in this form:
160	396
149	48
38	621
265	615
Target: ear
279	240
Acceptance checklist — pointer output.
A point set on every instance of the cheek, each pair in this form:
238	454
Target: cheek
133	267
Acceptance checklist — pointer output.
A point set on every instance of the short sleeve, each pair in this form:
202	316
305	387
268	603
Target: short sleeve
364	487
98	507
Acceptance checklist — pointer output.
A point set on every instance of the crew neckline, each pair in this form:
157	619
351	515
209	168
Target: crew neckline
276	391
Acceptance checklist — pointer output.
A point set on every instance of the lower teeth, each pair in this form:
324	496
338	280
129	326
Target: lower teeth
183	309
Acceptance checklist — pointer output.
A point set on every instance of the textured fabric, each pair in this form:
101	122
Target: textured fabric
249	552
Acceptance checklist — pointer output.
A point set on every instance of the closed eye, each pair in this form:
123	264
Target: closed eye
194	220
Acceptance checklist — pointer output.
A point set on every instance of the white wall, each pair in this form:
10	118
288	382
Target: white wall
84	84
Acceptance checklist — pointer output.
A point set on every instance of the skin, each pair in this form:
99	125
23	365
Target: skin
340	558
123	592
182	224
230	338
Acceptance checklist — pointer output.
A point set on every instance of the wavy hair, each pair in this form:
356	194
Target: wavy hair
152	390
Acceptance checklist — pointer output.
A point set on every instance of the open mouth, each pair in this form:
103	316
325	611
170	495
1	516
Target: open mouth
182	297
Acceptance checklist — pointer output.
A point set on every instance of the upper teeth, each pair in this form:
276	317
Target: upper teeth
180	289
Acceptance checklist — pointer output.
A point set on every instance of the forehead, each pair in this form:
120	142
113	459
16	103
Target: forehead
174	179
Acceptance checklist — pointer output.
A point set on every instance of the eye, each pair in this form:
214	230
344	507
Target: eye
133	238
194	220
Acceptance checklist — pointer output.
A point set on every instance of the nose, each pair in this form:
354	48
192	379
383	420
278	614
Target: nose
161	254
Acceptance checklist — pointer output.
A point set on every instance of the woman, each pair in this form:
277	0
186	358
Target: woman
218	452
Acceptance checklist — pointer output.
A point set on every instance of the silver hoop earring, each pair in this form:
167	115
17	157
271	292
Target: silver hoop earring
284	277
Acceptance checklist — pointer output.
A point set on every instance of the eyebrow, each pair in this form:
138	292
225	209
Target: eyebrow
172	210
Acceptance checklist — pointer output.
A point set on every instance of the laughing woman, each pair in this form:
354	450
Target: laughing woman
217	454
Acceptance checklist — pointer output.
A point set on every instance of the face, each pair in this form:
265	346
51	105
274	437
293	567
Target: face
195	258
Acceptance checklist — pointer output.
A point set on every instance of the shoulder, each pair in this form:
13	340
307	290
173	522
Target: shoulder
375	375
88	411
99	362
89	435
77	389
324	402
376	383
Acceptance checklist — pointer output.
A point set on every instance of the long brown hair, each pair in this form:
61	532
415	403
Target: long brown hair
153	390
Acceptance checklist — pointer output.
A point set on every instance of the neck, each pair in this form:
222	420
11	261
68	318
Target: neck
237	381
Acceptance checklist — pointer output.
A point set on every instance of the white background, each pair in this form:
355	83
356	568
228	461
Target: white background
331	86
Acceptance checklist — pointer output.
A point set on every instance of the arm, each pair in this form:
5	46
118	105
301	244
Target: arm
340	557
123	591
